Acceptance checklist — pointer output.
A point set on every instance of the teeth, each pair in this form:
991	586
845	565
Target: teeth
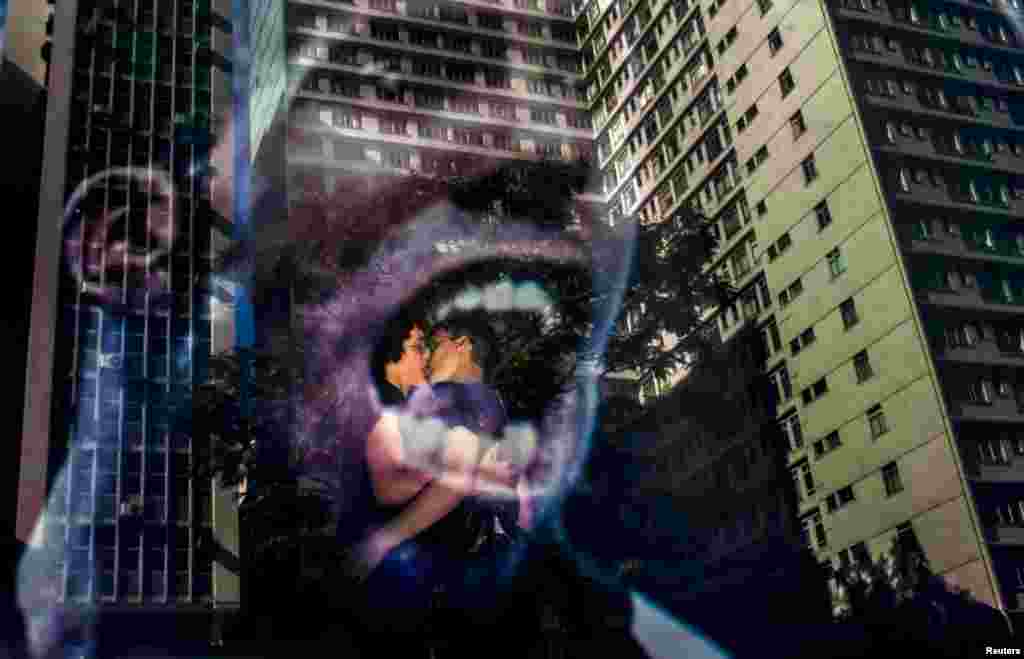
501	296
531	296
469	299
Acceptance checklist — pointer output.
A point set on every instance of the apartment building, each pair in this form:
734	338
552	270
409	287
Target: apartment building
430	88
106	501
862	160
715	453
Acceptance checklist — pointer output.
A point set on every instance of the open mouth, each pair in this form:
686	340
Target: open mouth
518	300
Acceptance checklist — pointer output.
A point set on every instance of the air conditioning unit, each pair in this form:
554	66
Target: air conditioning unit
132	506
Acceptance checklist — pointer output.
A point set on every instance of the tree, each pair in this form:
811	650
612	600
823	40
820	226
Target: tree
903	605
277	513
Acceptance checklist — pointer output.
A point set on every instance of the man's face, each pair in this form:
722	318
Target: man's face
446	355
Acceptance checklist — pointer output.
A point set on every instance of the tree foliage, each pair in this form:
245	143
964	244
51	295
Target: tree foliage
903	604
249	447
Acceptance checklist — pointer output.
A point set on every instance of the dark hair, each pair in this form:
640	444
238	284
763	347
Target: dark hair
474	326
392	343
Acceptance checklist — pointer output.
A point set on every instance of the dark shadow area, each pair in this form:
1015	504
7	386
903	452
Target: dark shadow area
23	111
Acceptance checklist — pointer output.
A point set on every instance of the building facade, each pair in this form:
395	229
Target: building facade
430	88
106	500
862	161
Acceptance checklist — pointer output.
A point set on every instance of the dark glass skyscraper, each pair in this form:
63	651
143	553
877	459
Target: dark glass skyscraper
106	499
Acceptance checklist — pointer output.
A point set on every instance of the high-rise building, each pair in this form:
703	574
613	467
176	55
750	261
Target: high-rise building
862	162
106	500
430	87
713	447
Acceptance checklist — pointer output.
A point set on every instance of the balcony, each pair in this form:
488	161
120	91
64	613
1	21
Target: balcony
931	24
918	184
929	100
910	54
998	409
1013	535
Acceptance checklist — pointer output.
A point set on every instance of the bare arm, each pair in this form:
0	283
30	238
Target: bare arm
394	479
434	501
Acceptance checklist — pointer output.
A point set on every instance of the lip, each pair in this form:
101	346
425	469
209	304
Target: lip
343	330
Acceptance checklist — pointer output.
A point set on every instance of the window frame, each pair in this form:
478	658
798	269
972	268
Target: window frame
878	424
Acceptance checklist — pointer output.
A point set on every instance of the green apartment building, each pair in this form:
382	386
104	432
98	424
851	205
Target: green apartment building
863	160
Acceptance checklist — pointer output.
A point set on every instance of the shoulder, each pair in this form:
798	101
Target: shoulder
429	399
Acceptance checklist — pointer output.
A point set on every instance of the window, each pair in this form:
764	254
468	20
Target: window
786	83
383	31
810	169
498	79
465	105
397	159
533	56
836	263
827	444
426	68
795	289
862	366
429	100
346	119
503	111
761	207
823	215
781	383
531	29
464	74
490	21
423	38
807	478
493	49
980	391
806	338
813	531
993	452
389	94
877	422
904	178
814	392
793	431
891	477
890	132
542	116
840	499
774	41
392	126
796	122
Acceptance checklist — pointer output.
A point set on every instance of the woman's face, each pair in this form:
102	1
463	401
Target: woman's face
413	363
